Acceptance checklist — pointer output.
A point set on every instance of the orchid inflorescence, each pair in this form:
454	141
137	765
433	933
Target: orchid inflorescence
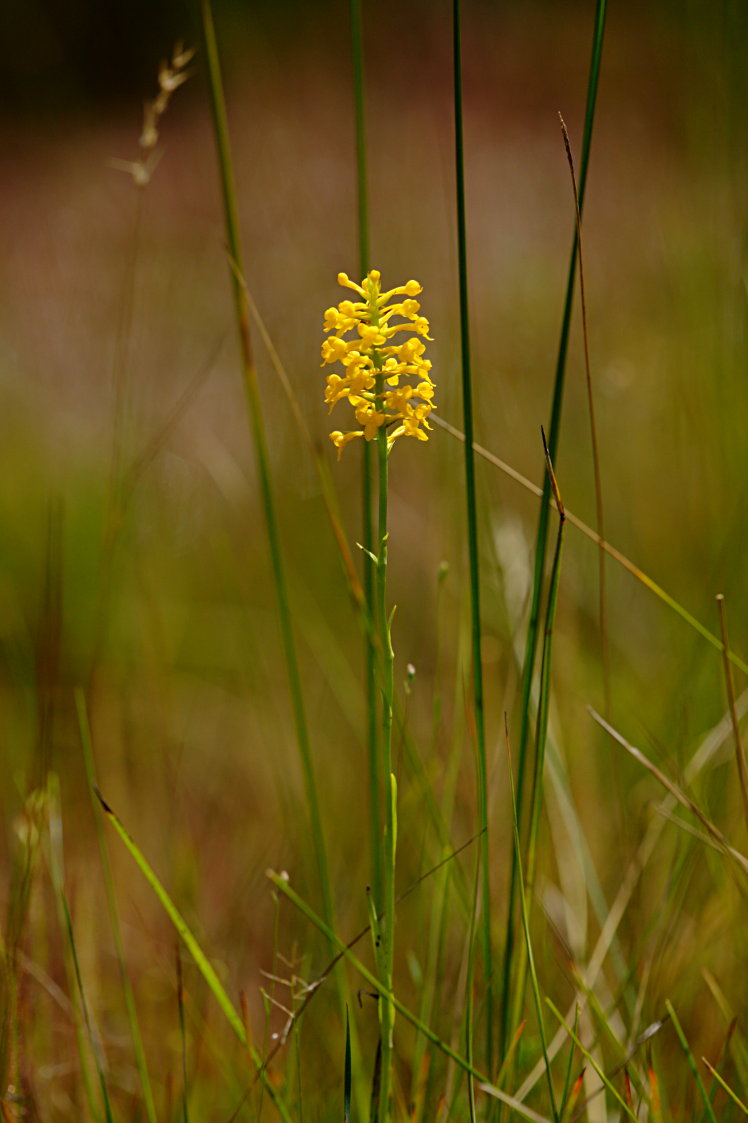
386	381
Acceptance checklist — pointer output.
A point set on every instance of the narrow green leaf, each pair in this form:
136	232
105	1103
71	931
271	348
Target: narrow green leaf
691	1061
201	960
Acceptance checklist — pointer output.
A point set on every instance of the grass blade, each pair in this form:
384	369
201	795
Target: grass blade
529	957
543	516
203	964
726	1087
257	426
183	1036
281	883
599	512
591	1061
610	550
691	1061
84	1026
527	881
347	1071
730	687
114	918
472	539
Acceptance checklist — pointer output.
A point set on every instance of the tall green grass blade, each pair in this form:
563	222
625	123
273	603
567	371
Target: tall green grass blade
84	1006
657	590
375	1098
83	1026
472	541
543	519
568	1090
183	1037
22	872
525	959
591	1061
372	979
347	1072
536	794
257	426
599	508
530	958
517	1107
726	1087
469	994
691	1061
114	918
740	759
203	964
386	951
367	470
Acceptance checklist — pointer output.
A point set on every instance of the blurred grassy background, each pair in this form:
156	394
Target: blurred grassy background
189	705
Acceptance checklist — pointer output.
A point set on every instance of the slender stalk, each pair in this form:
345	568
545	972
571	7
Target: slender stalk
730	687
708	1109
387	657
472	535
367	474
644	579
524	897
599	511
527	884
544	515
257	426
113	910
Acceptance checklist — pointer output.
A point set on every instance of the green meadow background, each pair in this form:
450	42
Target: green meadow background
118	346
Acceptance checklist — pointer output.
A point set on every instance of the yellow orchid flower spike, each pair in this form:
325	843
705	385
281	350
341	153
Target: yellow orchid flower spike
385	377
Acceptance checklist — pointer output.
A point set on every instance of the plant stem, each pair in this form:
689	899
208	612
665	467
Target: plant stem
541	540
367	475
257	426
386	957
472	535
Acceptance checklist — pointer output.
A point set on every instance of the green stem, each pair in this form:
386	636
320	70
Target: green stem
544	515
472	534
257	425
367	474
527	885
386	956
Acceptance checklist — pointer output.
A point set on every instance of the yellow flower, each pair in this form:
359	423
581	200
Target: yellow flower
386	381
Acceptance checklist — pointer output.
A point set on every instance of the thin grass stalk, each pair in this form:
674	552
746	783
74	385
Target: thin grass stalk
726	1087
367	474
387	657
527	883
469	992
565	1109
86	1043
544	699
183	1036
371	929
573	520
98	1060
544	515
22	872
472	538
371	979
599	510
203	964
691	1061
257	426
730	688
529	957
347	1071
113	910
591	1060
